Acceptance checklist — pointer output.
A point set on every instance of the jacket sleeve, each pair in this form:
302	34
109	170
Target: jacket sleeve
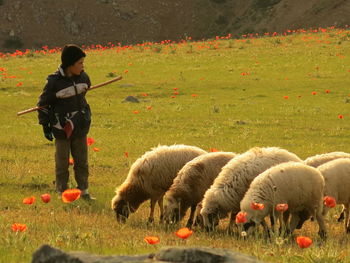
47	98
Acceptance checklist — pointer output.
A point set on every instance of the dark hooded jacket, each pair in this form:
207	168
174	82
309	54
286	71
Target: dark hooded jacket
64	98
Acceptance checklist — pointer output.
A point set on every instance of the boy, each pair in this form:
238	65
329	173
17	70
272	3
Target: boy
67	117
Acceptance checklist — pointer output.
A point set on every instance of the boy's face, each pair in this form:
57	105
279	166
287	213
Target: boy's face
77	68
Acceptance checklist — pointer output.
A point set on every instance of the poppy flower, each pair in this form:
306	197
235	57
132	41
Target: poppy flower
241	217
257	206
126	71
144	94
184	233
19	84
340	116
173	97
95	149
126	154
90	141
303	242
213	150
136	112
176	93
194	95
175	88
29	200
45	198
329	201
314	93
286	97
16	227
282	207
70	195
328	91
71	161
152	240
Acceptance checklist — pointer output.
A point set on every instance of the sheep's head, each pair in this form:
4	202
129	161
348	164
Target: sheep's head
210	217
121	208
172	210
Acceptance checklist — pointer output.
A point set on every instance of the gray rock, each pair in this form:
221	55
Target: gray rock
131	99
47	254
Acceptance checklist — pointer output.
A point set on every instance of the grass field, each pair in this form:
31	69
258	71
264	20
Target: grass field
233	94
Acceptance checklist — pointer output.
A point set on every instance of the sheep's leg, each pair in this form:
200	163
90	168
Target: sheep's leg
266	228
151	215
347	212
293	222
161	208
320	220
341	217
192	214
232	222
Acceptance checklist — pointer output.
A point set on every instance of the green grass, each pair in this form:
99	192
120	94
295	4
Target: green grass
231	112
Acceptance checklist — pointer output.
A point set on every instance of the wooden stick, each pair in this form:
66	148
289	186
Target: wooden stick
92	87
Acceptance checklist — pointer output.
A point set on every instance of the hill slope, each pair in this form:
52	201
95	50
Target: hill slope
31	24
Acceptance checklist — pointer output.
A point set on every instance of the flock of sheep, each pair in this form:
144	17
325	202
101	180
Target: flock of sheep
217	184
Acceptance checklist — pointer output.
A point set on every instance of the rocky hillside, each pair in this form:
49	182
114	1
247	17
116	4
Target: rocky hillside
34	23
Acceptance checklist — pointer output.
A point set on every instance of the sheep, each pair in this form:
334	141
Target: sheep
320	159
296	184
336	174
149	177
191	183
234	179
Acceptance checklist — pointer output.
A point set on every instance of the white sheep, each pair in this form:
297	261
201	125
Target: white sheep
234	179
191	183
320	159
336	174
150	176
296	184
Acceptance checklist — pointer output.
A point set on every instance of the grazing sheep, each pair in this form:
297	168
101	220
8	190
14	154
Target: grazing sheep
191	183
336	174
234	179
320	159
150	177
296	184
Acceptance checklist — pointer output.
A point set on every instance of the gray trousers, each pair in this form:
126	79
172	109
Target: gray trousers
79	150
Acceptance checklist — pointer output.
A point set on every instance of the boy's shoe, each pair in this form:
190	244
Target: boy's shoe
88	197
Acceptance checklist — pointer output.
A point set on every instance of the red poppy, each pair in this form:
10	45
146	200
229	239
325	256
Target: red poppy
16	227
328	91
126	154
176	93
184	233
304	242
173	97
194	95
45	198
70	195
95	149
149	107
29	200
136	112
90	141
144	94
314	93
286	97
175	88
282	207
19	84
257	206
71	161
213	150
340	116
152	240
241	217
126	71
329	201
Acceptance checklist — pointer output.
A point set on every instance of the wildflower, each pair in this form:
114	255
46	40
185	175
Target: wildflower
241	217
16	227
213	150
70	195
126	71
329	201
71	161
304	242
340	116
149	107
45	198
126	154
29	200
90	141
314	93
175	88
243	234
136	112
19	84
286	97
184	233
328	91
176	93
282	207
144	94
194	95
152	240
257	206
95	149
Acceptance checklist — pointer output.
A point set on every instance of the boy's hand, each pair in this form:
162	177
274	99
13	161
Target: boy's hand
47	132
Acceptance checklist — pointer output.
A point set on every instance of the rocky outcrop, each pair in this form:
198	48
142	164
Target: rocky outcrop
47	254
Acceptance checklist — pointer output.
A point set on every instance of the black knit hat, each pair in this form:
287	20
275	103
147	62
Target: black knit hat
70	54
